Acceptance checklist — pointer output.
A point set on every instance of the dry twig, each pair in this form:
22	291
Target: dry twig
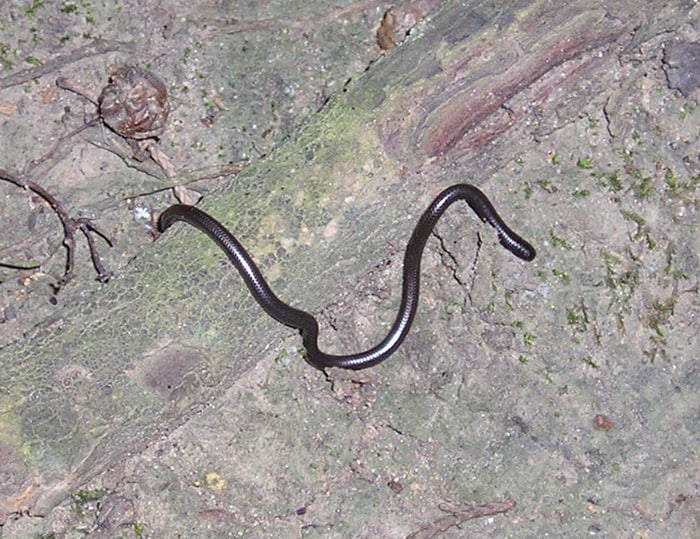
94	48
459	513
70	225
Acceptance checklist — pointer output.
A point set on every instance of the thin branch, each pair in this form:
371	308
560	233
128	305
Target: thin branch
20	267
57	151
70	225
86	227
94	48
459	513
119	146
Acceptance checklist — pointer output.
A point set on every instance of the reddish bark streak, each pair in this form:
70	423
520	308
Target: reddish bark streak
469	106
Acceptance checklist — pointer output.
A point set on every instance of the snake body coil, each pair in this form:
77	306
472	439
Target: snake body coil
304	321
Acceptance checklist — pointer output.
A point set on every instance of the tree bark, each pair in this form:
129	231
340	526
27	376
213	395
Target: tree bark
111	375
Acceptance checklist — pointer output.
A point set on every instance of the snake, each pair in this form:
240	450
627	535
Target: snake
305	322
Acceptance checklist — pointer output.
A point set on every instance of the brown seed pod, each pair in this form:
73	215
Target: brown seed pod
135	103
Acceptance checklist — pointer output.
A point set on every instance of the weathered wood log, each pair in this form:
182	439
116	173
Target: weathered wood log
108	376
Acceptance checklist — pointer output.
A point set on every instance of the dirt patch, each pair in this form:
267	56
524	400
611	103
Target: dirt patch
500	390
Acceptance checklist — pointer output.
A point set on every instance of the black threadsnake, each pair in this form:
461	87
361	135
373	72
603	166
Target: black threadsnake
304	321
